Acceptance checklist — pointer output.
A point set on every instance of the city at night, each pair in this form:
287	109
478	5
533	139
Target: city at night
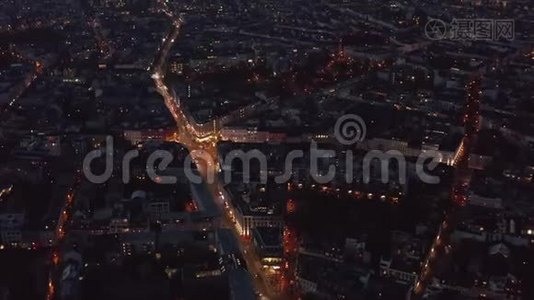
266	150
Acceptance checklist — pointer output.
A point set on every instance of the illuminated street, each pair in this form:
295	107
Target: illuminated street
60	234
29	79
440	246
202	147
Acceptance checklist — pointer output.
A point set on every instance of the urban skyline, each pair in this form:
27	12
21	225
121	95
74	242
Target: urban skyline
194	149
